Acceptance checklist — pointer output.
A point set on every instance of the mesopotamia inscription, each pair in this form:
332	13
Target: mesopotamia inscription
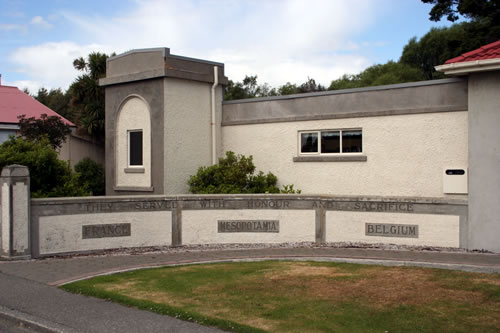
248	226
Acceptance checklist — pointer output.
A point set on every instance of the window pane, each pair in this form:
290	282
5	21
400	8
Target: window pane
135	148
308	142
330	142
352	142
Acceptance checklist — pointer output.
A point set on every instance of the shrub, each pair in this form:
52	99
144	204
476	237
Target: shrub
234	174
50	177
91	173
51	127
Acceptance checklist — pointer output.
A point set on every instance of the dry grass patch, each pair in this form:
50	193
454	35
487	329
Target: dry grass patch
279	296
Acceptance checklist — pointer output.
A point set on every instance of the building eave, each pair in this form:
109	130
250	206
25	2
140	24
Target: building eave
464	68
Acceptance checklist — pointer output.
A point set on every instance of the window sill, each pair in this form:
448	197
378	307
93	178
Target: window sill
134	170
133	188
323	158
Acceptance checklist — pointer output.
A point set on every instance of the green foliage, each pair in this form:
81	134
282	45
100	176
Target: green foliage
233	174
476	10
51	128
288	189
56	100
441	44
376	75
91	173
50	177
87	97
249	88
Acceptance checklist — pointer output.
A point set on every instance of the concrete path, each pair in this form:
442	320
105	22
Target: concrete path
28	294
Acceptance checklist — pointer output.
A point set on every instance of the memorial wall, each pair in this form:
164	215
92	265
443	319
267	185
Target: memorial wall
69	225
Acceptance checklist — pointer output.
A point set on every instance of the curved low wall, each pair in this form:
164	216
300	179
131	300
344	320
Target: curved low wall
67	225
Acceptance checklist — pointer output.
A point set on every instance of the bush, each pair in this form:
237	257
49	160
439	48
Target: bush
50	177
234	174
91	173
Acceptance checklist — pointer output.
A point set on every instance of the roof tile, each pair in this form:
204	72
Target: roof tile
14	102
489	51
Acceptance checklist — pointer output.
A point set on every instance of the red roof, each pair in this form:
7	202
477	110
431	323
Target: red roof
490	51
14	102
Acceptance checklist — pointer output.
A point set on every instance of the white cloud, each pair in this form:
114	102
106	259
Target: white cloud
12	27
279	41
40	22
51	64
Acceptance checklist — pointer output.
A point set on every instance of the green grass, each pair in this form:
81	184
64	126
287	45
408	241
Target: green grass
285	296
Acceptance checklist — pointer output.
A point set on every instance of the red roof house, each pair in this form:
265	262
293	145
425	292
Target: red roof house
485	58
14	102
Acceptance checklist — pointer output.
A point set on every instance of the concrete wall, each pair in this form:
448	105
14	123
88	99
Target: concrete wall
5	133
62	225
177	92
484	160
77	148
187	130
405	154
396	99
152	92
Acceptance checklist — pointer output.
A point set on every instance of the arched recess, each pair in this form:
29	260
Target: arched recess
133	144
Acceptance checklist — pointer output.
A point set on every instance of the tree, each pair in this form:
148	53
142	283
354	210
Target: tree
476	10
87	98
51	128
441	44
376	75
49	176
56	100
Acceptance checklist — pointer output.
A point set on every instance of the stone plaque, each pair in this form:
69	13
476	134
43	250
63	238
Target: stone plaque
391	230
248	226
105	230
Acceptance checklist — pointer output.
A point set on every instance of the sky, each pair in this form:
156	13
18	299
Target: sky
278	40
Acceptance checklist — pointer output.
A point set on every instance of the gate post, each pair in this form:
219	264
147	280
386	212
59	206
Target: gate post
15	239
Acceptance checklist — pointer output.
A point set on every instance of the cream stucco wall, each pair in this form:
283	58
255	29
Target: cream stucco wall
200	226
133	115
63	233
406	154
433	230
5	218
20	228
187	130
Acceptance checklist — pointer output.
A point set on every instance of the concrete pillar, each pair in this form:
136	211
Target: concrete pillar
484	161
15	240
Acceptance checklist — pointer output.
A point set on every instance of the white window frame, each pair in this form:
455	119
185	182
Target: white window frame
128	148
318	132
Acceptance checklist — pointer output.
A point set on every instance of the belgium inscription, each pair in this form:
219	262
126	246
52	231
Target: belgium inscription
248	226
391	230
105	230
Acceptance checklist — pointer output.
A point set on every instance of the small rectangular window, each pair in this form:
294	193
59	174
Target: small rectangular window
331	142
309	142
352	141
135	148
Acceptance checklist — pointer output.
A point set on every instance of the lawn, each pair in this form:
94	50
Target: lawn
290	296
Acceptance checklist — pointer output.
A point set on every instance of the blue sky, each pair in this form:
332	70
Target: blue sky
278	40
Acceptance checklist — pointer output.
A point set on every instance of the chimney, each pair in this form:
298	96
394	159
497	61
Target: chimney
0	79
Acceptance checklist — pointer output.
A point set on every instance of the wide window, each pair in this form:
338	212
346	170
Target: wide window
135	148
331	142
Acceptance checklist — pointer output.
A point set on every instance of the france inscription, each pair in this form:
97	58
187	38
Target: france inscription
391	230
248	226
105	230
